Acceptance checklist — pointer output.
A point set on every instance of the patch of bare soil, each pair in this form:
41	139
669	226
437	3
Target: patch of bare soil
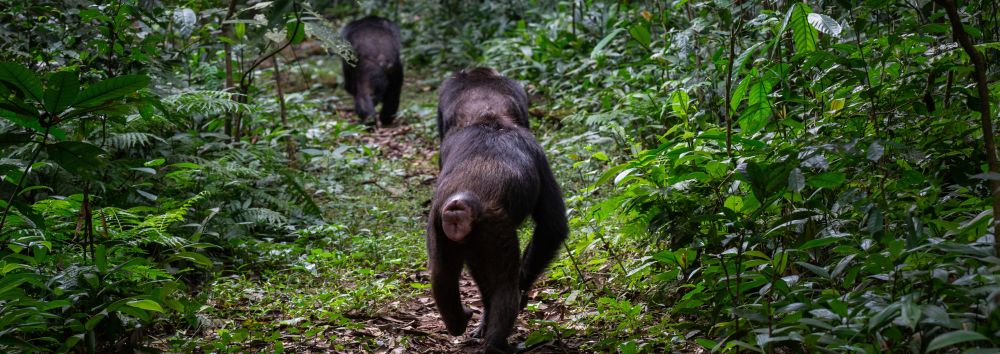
415	327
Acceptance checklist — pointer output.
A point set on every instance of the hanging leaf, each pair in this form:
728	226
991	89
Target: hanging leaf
825	24
61	90
954	337
741	90
146	304
113	88
803	34
679	103
599	48
22	79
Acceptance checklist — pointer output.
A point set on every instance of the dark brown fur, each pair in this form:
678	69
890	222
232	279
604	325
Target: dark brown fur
377	76
493	176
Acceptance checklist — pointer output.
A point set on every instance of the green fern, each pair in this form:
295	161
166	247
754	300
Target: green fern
129	140
264	216
206	102
300	194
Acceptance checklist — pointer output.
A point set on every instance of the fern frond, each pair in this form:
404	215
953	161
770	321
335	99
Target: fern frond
206	102
299	194
129	140
264	216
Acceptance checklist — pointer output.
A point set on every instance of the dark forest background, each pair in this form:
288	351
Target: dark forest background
742	176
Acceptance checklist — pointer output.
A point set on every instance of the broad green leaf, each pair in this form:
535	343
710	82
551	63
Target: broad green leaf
101	258
193	257
21	120
599	48
609	173
740	91
75	157
146	304
61	90
186	165
21	78
820	271
827	180
116	87
836	105
817	243
296	32
679	101
7	268
825	24
804	35
94	320
640	32
707	343
954	337
11	281
758	111
71	342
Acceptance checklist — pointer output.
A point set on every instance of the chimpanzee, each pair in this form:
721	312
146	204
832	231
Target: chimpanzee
493	175
476	91
377	75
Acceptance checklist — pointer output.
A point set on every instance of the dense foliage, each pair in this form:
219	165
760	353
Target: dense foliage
742	176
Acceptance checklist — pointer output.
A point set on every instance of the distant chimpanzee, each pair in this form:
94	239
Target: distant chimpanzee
478	91
377	76
493	175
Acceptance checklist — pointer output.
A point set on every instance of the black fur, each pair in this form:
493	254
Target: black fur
475	92
377	76
492	163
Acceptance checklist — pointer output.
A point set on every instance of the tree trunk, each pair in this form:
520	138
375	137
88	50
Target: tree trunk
227	30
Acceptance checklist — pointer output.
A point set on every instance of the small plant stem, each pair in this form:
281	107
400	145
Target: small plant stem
20	180
280	94
227	47
729	85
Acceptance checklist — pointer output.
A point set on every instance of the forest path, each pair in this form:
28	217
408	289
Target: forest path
359	283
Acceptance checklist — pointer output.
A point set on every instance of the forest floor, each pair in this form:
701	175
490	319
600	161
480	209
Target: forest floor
358	283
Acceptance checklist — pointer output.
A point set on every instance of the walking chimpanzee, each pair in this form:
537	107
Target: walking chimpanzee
493	175
377	75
